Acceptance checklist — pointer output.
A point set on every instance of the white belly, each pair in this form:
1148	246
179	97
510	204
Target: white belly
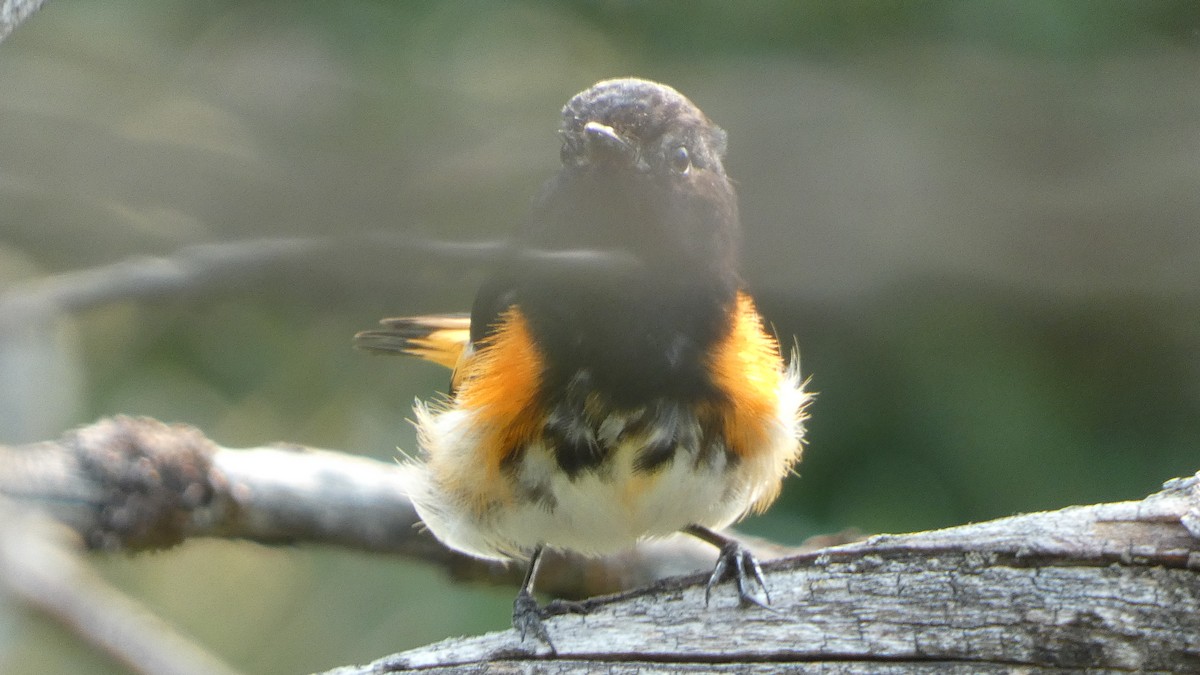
608	510
597	511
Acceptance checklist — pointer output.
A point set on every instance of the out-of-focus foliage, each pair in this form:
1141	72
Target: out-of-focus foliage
979	219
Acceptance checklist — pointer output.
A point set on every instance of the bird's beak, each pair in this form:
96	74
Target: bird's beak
603	142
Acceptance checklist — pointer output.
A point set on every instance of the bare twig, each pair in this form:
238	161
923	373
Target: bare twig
194	269
40	565
14	12
135	484
224	265
190	269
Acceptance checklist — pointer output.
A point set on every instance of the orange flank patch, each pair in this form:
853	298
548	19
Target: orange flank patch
747	367
500	382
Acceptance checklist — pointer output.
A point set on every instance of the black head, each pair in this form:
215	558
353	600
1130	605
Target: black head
643	126
642	173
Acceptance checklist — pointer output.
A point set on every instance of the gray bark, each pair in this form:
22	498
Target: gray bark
1102	588
1105	588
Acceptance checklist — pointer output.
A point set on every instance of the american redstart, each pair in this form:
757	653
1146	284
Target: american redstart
628	393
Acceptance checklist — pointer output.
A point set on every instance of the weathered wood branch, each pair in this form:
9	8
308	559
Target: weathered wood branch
1110	586
14	12
136	484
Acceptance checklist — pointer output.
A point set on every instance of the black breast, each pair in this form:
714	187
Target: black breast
620	338
632	341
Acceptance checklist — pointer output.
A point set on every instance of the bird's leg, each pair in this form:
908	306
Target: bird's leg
527	617
734	560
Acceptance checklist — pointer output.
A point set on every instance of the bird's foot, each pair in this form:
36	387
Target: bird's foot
527	619
560	607
736	561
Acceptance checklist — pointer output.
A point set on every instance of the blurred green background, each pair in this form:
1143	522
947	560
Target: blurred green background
978	219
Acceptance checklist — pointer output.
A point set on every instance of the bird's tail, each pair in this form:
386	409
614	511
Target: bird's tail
440	338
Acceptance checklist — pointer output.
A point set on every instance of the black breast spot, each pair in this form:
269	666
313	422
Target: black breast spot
671	428
576	448
655	455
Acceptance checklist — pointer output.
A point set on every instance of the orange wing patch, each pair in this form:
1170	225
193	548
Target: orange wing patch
747	367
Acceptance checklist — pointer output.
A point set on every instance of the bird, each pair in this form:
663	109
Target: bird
614	380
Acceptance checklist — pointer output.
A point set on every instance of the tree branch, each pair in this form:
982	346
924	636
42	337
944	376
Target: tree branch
136	484
40	565
191	269
1112	586
14	12
200	267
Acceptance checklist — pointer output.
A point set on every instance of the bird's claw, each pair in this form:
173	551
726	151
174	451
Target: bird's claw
527	619
738	562
559	607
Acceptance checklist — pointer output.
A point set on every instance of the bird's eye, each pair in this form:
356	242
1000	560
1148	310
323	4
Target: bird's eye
679	160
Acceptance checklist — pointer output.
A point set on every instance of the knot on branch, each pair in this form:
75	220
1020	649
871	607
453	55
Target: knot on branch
1187	488
153	477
